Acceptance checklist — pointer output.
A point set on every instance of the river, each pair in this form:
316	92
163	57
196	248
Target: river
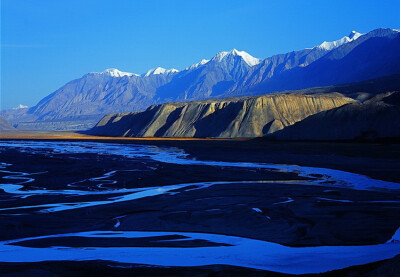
235	249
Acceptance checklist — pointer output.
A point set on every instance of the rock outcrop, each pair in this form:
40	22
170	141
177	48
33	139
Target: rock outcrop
221	118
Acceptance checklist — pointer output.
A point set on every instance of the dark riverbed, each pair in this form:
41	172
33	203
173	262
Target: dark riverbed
52	189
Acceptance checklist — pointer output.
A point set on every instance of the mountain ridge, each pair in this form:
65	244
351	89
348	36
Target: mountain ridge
228	74
237	117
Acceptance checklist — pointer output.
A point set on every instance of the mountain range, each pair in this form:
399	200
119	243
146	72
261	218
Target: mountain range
366	110
82	102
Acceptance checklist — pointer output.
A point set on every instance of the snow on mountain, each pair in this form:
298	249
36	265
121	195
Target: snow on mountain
249	59
20	106
113	72
116	73
196	65
160	70
334	44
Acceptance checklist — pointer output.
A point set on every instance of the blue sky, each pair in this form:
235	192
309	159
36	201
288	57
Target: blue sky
46	43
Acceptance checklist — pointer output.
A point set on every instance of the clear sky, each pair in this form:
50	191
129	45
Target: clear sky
46	43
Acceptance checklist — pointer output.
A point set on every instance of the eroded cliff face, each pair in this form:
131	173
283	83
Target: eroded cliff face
221	118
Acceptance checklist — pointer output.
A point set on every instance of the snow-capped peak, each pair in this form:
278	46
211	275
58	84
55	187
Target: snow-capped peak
20	106
113	72
334	44
160	70
196	65
249	59
354	35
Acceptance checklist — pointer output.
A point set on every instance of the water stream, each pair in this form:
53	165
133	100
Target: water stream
263	255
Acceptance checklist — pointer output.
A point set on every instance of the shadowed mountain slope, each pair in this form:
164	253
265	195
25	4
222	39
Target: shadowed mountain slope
376	118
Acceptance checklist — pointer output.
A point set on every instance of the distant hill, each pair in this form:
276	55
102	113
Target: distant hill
84	101
4	125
